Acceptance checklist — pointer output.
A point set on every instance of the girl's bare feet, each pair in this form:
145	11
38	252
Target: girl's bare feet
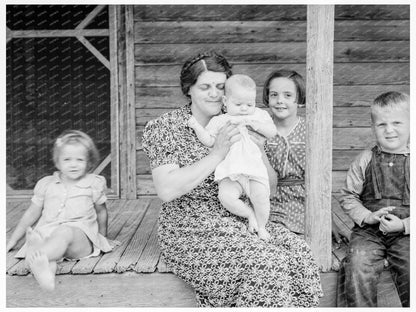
33	240
42	270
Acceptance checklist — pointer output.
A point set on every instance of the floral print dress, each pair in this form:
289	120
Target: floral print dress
211	249
287	157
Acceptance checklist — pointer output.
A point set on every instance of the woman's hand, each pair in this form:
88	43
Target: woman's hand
227	136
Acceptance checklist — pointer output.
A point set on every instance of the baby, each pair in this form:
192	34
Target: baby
242	170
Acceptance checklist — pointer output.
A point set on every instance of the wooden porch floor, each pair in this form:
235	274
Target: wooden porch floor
126	284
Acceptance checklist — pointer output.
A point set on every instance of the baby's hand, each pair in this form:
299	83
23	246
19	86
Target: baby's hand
192	122
390	223
375	216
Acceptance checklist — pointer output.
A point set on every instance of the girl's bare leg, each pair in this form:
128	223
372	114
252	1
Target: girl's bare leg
260	198
42	254
229	195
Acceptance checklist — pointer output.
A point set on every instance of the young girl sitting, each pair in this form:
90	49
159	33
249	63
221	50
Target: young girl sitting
70	206
243	170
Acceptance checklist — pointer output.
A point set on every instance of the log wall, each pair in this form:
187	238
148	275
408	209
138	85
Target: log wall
371	56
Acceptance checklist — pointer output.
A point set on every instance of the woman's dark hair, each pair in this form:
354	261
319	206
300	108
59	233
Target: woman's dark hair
289	74
197	65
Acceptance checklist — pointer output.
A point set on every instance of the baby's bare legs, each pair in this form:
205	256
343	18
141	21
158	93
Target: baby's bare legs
42	254
260	198
229	195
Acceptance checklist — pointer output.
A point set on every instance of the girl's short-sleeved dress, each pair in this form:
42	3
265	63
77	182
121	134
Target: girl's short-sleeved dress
287	157
211	249
72	207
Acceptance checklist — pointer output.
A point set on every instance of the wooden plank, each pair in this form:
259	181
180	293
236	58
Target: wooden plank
87	20
174	13
338	180
266	52
94	51
140	237
130	186
59	33
319	135
344	73
134	215
341	159
126	290
114	21
348	95
376	12
150	255
265	31
352	138
145	185
363	95
143	163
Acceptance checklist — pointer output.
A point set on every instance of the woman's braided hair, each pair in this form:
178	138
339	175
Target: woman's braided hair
193	67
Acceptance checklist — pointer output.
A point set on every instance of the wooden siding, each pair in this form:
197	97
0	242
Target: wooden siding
371	56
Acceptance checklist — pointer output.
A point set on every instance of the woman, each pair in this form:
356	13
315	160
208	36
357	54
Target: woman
202	242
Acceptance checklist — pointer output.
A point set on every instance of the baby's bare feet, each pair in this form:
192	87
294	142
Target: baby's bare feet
42	270
263	234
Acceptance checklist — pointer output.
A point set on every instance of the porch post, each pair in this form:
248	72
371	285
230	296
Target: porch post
319	89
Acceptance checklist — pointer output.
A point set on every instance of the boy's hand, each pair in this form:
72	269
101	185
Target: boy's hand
375	216
391	223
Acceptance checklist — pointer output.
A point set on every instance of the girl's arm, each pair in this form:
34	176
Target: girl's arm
31	215
172	181
102	218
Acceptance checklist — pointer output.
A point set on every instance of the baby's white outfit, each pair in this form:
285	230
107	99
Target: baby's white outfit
73	206
244	160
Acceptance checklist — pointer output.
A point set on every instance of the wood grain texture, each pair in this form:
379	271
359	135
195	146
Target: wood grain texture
344	73
265	31
318	171
214	13
344	95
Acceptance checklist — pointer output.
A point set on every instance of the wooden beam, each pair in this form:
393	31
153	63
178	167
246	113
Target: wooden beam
94	51
114	23
90	17
59	33
103	164
319	95
131	190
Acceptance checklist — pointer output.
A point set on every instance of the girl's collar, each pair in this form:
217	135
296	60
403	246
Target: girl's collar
86	181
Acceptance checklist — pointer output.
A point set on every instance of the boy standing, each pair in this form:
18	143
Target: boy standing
377	197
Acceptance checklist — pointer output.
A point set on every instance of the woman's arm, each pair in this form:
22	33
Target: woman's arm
31	215
102	218
172	181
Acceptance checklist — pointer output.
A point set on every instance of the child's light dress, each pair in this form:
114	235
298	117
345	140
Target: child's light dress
71	207
244	160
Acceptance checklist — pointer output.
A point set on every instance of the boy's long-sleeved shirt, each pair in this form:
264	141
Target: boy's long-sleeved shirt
350	200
